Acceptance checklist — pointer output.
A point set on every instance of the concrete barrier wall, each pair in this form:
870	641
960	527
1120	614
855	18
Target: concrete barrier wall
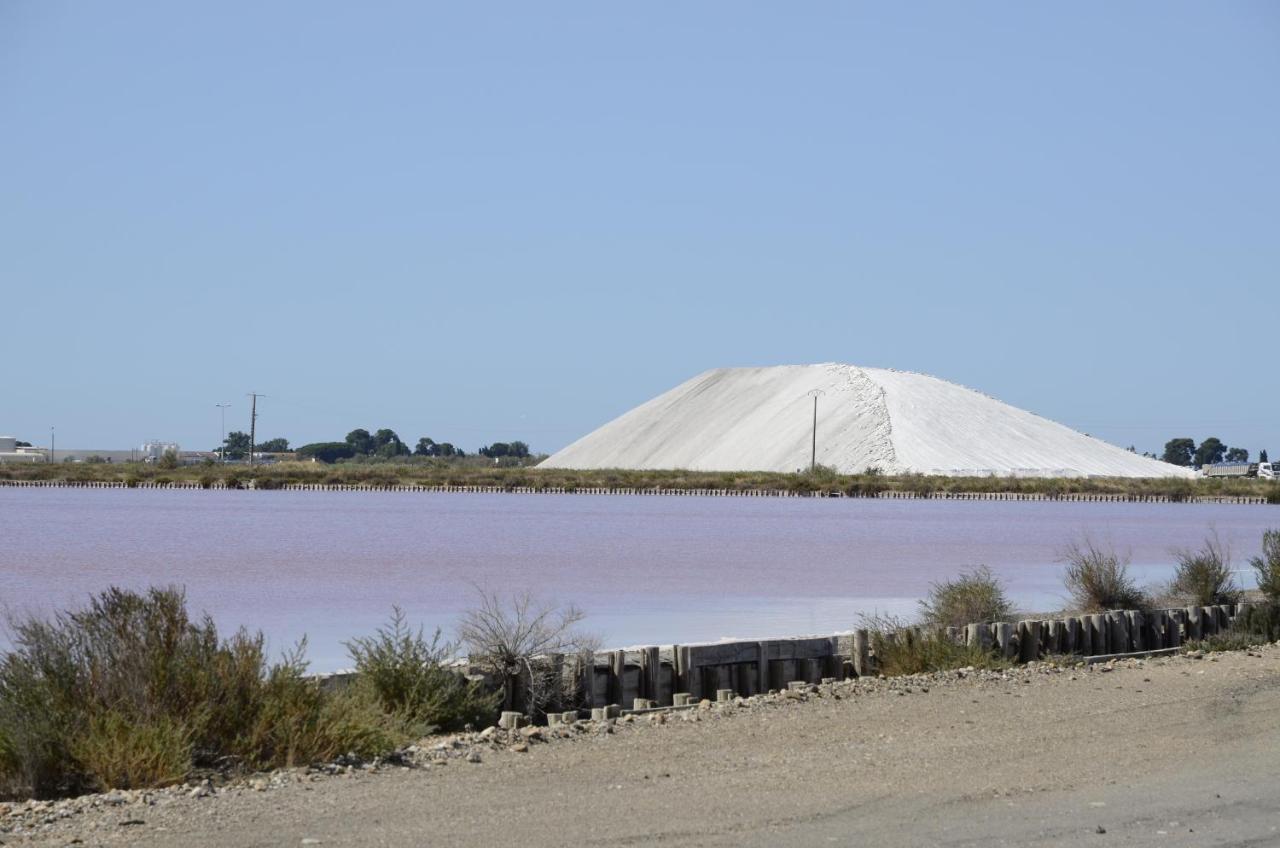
671	675
1075	497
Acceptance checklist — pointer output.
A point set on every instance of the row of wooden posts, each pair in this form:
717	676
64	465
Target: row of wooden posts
1072	497
673	675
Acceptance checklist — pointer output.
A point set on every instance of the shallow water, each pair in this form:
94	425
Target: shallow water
646	569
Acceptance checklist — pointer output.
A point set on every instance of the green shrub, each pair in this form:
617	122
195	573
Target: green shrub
299	722
130	692
1098	579
900	649
972	597
1260	620
119	751
1267	566
409	676
1204	577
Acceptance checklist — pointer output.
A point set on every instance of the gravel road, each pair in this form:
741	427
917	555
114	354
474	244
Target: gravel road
1174	752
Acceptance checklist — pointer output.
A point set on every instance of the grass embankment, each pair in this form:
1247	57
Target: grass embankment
441	473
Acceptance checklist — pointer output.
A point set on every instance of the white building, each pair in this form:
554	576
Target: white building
10	452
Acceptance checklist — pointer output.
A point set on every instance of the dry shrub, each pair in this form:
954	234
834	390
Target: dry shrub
1098	579
1204	577
514	639
974	596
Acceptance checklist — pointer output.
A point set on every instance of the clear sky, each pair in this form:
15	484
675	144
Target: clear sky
494	221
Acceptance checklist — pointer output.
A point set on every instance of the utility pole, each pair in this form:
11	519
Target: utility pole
813	455
253	424
222	448
53	444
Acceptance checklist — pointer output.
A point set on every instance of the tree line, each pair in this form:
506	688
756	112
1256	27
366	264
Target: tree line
384	443
1187	453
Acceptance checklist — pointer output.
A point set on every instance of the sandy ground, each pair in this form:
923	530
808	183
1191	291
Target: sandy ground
761	419
1170	752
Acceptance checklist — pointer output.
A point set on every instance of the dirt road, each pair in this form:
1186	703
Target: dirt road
1168	752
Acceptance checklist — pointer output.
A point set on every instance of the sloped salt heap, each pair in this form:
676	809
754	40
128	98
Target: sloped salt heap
760	419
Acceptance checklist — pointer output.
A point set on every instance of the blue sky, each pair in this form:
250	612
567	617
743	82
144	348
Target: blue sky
519	220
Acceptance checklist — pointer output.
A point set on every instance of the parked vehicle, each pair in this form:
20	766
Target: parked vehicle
1262	470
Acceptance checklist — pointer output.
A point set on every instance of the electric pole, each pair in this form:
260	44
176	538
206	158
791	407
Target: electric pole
222	448
53	445
253	424
813	455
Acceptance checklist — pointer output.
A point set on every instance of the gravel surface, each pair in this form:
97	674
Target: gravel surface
1171	751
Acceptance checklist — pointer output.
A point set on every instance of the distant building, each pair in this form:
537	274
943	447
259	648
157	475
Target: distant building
154	450
11	452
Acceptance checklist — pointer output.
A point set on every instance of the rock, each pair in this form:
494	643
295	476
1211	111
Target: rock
258	785
520	747
488	733
473	757
204	790
531	733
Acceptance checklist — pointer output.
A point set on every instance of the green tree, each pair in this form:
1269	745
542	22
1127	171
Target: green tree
273	446
519	449
1179	451
496	450
237	445
425	447
360	441
386	443
1238	455
326	451
1211	450
1262	456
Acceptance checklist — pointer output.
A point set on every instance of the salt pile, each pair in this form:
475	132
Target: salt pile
761	419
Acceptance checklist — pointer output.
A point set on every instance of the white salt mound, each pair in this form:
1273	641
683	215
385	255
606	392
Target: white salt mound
761	419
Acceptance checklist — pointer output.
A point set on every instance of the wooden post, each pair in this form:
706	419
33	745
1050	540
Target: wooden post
617	677
1004	639
1084	635
1195	630
1101	633
653	675
1072	644
1028	640
762	668
1137	623
1119	634
861	658
587	678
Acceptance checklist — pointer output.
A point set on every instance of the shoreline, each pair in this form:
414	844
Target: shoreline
631	491
866	751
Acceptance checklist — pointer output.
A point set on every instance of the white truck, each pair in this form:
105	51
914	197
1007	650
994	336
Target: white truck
1261	470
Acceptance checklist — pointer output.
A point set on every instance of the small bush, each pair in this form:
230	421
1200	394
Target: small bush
1260	620
900	649
1098	579
408	674
1267	566
299	722
130	692
123	753
1204	577
972	597
510	639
